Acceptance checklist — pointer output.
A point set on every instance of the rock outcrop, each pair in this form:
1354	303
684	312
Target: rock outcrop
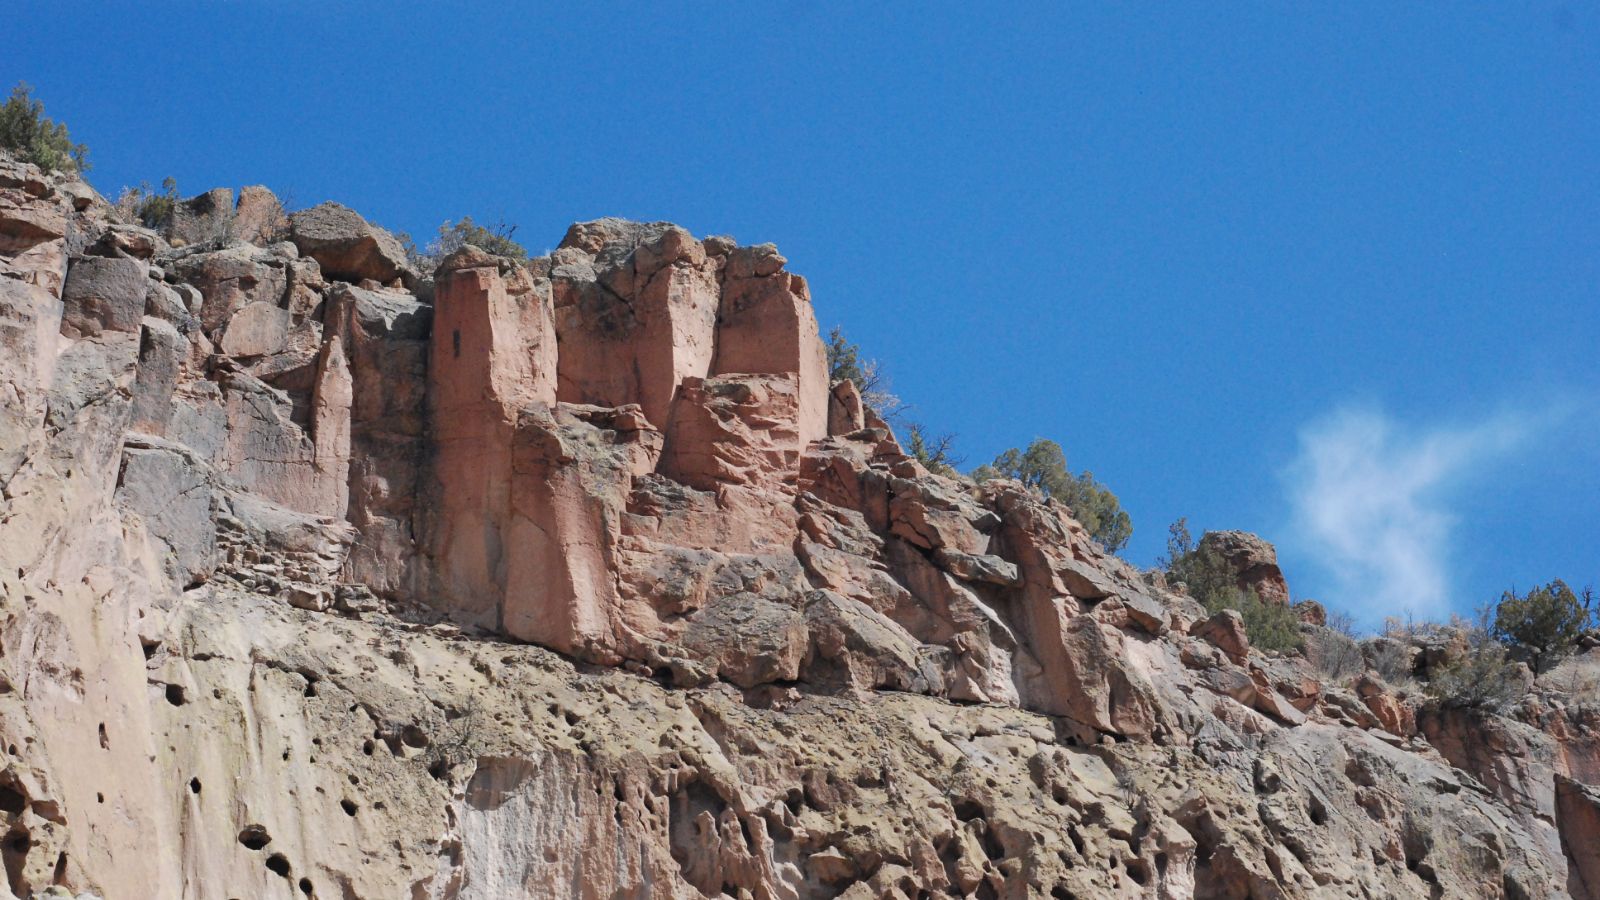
576	577
1253	561
346	246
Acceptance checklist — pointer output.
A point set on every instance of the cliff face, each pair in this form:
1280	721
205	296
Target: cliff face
325	577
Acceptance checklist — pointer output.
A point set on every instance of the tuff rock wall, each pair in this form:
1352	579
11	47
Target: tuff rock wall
325	577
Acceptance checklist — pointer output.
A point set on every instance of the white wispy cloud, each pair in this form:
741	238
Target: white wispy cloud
1370	503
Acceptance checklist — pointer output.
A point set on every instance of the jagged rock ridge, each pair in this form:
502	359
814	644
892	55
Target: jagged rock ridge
327	577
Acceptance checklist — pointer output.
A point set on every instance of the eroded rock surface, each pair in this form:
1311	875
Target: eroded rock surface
576	577
1253	561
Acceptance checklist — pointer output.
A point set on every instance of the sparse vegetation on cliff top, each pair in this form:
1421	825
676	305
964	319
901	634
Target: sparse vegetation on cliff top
27	132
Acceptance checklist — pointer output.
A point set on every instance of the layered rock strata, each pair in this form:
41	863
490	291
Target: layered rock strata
326	577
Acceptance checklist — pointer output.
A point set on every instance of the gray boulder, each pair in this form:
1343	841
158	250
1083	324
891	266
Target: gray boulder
346	246
103	295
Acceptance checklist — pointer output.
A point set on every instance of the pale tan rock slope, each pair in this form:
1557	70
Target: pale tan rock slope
324	577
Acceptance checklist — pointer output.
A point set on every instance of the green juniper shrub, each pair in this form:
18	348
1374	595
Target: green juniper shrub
1480	674
1204	572
845	363
148	208
34	138
1210	581
1270	626
1544	624
932	451
155	210
1043	467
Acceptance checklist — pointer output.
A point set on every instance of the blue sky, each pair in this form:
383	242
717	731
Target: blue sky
1326	272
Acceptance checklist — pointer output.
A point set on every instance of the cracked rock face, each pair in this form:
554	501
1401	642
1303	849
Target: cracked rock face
577	577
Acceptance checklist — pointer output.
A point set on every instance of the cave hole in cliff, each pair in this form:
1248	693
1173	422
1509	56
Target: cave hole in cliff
254	837
683	829
1060	892
15	853
368	746
12	800
305	887
105	740
348	807
194	785
1137	871
414	737
175	694
1317	810
990	842
1208	840
14	875
279	864
311	678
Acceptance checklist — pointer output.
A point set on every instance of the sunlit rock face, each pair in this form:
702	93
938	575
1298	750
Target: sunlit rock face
323	576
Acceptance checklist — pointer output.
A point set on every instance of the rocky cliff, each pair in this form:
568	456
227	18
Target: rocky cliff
575	577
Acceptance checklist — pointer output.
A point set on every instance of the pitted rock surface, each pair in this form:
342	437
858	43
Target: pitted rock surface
576	577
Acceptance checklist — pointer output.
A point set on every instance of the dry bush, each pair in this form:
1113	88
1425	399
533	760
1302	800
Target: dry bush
458	740
1481	676
1333	649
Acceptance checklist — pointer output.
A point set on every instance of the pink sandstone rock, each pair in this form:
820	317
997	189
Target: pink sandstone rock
1225	631
347	246
577	578
741	430
202	219
258	329
330	429
638	317
766	326
845	410
1578	819
258	217
230	279
481	372
1253	561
